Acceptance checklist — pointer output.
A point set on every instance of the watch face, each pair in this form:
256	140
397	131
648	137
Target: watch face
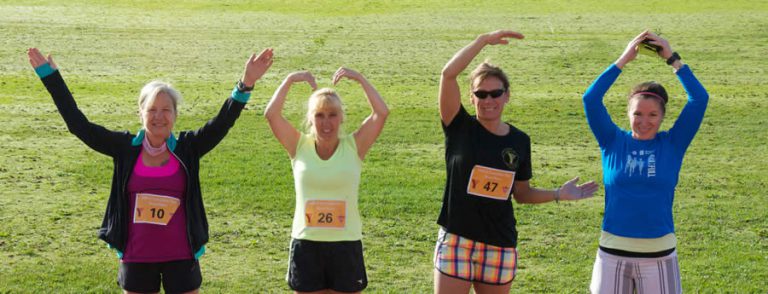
242	88
673	58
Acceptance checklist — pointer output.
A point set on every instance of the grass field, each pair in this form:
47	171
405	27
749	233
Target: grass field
53	189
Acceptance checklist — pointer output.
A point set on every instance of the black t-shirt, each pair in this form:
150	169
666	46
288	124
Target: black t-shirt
482	211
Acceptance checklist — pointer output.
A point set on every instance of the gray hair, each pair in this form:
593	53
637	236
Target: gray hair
150	90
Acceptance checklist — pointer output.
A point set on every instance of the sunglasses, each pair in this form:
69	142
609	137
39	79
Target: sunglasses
481	94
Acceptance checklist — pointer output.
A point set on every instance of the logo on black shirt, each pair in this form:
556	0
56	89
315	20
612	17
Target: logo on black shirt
510	158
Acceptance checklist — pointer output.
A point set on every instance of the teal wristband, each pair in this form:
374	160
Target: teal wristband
240	96
44	70
200	252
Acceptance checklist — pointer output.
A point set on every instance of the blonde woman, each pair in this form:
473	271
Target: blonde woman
326	254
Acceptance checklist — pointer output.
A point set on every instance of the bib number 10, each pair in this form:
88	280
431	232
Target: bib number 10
154	209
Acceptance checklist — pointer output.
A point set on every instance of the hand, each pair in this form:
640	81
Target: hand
571	191
666	49
630	53
348	73
302	76
256	66
36	58
500	37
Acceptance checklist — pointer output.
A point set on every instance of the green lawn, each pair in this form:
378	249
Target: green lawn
54	189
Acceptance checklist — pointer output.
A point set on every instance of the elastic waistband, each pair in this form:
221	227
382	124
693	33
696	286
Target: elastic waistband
607	256
624	253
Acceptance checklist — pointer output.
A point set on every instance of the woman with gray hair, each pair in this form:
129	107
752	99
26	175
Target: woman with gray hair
155	219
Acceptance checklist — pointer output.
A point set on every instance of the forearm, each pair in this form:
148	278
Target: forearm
596	91
275	106
692	115
378	107
596	114
464	57
692	86
210	134
535	195
76	121
95	136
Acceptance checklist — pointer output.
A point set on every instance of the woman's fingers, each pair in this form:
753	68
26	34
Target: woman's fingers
572	182
642	35
338	75
588	189
257	65
37	59
50	61
312	82
502	36
265	55
509	34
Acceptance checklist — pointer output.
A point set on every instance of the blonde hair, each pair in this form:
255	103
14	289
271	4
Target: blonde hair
322	99
150	91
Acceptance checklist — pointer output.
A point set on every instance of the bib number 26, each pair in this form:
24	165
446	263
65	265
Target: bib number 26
325	214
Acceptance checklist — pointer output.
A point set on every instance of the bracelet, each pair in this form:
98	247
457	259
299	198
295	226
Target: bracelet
240	96
242	87
557	196
673	58
44	70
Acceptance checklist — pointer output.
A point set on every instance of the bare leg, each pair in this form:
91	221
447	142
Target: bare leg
445	284
481	288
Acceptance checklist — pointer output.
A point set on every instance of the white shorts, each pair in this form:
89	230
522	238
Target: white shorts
618	274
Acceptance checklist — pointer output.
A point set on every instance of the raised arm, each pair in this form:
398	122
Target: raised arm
449	97
597	115
285	133
689	120
95	136
214	130
371	127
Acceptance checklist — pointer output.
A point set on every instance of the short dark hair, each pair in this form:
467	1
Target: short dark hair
650	90
485	70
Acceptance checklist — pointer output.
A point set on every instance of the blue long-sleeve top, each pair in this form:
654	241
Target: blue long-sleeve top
640	175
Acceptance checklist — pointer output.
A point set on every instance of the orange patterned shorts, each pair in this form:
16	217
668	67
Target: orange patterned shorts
474	261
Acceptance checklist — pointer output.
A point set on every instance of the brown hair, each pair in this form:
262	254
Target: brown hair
485	70
650	90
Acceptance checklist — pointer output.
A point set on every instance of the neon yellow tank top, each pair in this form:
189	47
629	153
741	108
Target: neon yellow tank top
326	192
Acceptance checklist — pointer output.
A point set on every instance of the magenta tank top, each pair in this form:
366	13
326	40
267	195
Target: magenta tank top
157	230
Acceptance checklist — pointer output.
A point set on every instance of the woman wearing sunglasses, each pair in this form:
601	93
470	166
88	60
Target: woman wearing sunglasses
155	218
326	253
640	171
487	160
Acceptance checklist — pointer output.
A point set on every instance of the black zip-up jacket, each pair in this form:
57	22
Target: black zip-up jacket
124	149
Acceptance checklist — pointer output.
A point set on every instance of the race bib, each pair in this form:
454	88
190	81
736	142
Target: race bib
154	209
325	214
490	182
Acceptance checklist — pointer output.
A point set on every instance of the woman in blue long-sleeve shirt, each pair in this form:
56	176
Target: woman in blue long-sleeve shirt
640	172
